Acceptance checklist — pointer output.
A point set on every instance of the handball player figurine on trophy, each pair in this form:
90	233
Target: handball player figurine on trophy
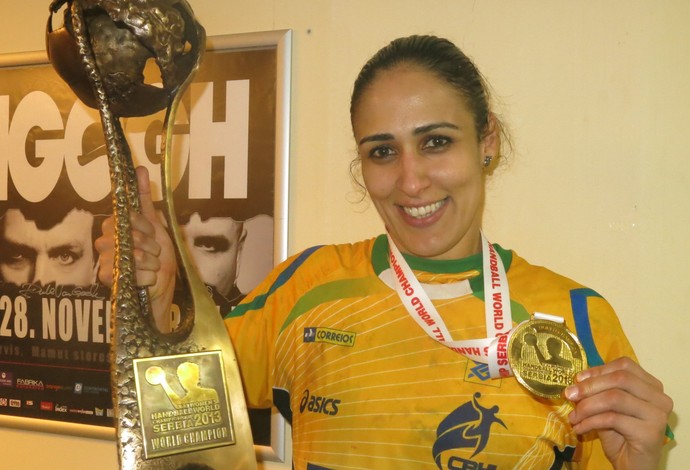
100	50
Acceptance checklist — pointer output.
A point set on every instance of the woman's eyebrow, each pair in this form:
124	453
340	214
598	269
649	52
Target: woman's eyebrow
376	138
419	130
436	125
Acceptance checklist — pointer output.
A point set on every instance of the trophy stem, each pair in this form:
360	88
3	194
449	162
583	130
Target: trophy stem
158	427
126	299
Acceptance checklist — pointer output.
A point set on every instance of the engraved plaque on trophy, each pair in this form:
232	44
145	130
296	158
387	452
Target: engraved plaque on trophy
178	397
183	402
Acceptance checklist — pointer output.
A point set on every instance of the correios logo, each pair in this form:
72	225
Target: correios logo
466	429
328	335
317	404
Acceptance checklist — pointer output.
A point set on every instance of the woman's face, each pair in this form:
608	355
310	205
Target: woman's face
422	162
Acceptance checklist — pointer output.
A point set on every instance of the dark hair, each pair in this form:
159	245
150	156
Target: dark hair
52	209
439	56
48	213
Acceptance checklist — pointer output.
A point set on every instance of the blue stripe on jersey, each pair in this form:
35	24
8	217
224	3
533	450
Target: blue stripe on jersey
578	300
282	278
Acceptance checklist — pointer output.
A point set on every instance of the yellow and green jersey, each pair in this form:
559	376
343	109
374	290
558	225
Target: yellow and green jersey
326	339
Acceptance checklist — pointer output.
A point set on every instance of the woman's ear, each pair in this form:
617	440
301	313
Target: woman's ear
491	142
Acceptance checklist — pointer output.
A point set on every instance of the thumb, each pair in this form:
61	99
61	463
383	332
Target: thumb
144	184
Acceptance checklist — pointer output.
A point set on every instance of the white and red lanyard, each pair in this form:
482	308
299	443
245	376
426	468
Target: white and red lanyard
491	350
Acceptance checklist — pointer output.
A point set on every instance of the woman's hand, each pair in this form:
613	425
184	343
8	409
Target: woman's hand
154	254
628	409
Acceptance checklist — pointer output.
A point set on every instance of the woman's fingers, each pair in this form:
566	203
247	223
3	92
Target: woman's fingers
628	409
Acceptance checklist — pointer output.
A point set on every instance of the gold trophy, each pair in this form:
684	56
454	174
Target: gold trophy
178	397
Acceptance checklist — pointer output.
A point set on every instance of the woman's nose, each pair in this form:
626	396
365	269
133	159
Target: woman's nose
414	176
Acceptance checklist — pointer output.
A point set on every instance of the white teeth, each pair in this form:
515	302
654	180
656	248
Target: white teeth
423	211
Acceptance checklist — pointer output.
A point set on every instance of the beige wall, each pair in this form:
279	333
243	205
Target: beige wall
597	95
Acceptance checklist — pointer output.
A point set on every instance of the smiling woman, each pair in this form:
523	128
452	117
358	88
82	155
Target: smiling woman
423	379
423	168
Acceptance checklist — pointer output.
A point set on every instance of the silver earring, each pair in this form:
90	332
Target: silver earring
487	160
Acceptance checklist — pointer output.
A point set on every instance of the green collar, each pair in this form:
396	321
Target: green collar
379	260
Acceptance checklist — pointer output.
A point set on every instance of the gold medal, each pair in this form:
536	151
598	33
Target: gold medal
545	356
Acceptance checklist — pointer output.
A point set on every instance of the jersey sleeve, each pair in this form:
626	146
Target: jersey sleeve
604	341
256	322
251	338
607	331
251	326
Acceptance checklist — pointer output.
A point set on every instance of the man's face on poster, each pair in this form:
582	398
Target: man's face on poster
62	254
215	244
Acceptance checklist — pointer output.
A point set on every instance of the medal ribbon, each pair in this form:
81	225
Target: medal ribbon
491	350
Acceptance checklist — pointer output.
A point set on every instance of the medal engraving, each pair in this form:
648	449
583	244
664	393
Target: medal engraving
545	357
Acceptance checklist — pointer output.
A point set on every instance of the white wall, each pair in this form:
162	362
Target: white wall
597	95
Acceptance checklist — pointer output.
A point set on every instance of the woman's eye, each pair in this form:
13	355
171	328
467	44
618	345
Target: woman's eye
436	142
380	153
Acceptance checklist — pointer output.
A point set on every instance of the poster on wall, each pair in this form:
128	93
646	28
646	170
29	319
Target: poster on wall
230	189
